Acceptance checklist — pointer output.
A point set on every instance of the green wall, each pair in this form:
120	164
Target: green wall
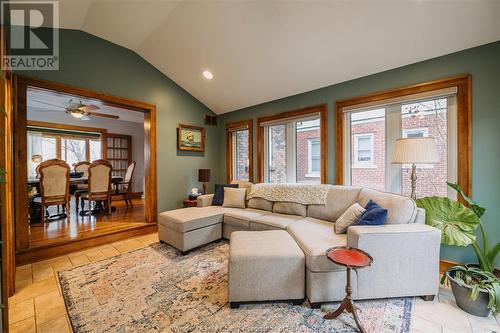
90	62
483	63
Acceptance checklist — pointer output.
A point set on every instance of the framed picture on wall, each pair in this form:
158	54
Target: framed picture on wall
191	138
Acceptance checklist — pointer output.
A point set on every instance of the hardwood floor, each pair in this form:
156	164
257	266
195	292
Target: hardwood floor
80	227
60	237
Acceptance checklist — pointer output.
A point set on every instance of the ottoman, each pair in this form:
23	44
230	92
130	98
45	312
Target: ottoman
188	228
265	266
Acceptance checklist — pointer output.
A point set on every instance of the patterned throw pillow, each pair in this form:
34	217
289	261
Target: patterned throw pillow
234	197
348	218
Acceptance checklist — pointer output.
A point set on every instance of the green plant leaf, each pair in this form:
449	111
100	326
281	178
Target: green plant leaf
456	222
479	210
492	254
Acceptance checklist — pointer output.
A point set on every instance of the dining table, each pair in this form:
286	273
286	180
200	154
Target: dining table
74	181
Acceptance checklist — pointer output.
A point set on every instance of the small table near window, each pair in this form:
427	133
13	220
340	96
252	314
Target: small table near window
189	203
350	258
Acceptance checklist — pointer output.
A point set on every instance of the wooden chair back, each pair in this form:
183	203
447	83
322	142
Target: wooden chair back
54	180
127	181
82	166
99	179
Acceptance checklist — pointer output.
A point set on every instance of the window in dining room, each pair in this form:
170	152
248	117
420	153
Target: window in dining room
73	147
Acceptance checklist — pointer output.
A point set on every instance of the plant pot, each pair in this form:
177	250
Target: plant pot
477	307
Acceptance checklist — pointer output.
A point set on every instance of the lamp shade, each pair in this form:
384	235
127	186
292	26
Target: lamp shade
415	150
204	175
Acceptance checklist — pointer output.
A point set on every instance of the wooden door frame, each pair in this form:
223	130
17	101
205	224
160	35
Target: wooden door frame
322	110
463	84
230	127
21	84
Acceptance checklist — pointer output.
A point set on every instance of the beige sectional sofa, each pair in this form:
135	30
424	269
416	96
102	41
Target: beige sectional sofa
405	249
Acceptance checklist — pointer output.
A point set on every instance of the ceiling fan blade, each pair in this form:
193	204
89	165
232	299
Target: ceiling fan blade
103	115
57	106
88	108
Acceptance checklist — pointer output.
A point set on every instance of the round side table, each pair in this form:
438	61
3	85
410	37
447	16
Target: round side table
350	258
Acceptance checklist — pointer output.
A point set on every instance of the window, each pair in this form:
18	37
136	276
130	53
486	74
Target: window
370	153
239	151
363	150
314	158
291	147
69	146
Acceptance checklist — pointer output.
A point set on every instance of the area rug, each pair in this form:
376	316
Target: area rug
155	289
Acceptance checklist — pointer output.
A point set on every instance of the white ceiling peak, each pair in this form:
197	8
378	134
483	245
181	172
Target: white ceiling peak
260	51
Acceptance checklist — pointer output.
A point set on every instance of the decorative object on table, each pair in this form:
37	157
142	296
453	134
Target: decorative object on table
218	198
191	138
373	215
193	195
189	203
413	151
476	287
158	274
204	178
350	258
36	158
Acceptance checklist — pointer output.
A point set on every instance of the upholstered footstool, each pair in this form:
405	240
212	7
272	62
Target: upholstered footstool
265	266
188	228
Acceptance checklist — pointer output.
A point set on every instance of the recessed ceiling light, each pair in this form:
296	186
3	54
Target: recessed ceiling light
208	75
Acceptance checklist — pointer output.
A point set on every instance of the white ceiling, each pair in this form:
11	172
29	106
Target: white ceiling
36	100
264	50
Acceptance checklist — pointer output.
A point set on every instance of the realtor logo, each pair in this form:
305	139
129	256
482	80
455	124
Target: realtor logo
31	44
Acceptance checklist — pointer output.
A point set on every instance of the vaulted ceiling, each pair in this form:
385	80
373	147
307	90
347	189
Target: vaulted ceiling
264	50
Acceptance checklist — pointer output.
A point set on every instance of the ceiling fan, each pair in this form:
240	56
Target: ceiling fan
80	110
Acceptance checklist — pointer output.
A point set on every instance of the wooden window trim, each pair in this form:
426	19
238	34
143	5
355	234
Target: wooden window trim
464	122
322	109
230	128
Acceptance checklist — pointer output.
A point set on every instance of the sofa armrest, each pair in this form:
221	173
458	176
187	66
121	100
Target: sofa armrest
420	218
405	258
204	200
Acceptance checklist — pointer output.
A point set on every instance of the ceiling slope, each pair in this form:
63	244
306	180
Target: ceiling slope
260	51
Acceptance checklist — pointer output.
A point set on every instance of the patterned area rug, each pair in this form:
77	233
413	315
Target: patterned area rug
155	289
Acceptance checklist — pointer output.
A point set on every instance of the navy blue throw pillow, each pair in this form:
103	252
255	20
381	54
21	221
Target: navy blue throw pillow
374	215
219	193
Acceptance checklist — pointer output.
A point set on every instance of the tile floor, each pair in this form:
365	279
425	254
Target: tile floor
38	305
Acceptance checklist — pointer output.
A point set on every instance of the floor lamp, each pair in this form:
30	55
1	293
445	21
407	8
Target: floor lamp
413	151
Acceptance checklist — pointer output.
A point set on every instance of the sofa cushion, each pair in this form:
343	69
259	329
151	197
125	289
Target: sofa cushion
290	208
187	219
241	217
259	203
400	209
314	237
339	198
274	220
218	198
234	197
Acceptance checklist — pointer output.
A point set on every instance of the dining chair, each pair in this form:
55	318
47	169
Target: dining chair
126	186
54	186
99	182
82	166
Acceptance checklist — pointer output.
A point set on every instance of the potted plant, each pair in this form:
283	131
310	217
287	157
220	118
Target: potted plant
476	287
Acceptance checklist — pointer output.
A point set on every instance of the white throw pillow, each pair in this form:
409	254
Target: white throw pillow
234	197
348	218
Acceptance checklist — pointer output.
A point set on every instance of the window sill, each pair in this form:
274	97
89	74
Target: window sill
312	175
368	166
